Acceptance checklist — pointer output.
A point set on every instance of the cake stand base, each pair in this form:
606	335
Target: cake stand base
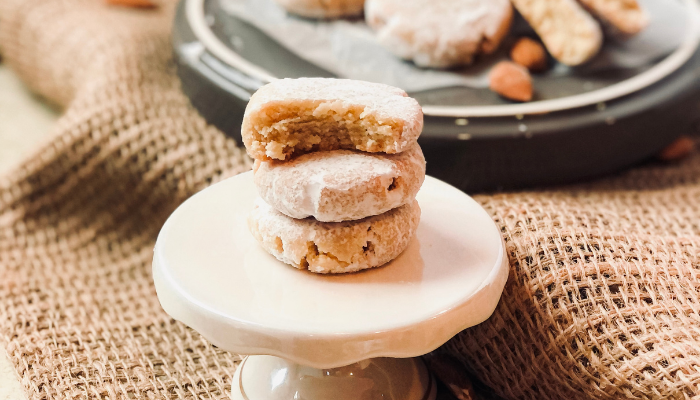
449	278
273	378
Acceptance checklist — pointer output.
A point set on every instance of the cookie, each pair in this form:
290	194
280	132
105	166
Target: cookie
323	9
341	185
290	117
439	33
570	34
625	17
334	247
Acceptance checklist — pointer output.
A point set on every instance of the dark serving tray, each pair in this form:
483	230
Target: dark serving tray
474	153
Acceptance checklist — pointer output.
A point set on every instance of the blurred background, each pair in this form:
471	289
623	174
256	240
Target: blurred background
26	119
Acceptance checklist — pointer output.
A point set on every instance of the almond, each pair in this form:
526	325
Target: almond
530	54
678	149
511	81
132	3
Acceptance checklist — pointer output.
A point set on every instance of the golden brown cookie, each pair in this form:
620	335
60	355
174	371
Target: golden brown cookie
334	247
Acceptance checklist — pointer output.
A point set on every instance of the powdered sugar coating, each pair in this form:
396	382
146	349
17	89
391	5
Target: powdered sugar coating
439	33
383	100
341	185
334	247
384	117
323	8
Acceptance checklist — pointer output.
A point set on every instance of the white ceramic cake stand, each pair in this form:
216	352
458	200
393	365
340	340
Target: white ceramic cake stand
320	337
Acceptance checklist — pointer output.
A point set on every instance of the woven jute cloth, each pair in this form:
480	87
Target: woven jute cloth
601	302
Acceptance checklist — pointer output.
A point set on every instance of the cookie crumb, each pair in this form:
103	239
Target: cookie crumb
530	54
511	80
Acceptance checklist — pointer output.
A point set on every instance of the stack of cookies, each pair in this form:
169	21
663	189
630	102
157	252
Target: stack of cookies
337	168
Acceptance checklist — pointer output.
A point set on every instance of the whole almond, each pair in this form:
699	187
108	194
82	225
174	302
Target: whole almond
678	149
132	3
511	81
530	54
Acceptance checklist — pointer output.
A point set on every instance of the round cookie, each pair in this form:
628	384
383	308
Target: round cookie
341	185
323	8
439	33
290	117
334	247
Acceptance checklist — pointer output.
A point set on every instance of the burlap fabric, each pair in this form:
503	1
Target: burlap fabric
79	313
601	302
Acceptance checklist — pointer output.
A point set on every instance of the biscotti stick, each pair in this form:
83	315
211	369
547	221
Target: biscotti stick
626	17
570	34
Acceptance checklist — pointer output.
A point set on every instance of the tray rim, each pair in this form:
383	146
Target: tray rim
194	12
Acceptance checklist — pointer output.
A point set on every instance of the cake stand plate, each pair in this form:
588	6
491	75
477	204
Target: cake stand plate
346	336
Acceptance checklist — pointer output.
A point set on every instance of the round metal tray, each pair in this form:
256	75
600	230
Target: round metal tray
493	146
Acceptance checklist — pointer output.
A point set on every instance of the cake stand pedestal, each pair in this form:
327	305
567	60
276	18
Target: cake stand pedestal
319	337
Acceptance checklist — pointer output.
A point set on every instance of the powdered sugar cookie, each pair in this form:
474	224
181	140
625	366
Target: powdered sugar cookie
439	33
341	185
323	8
334	247
290	117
